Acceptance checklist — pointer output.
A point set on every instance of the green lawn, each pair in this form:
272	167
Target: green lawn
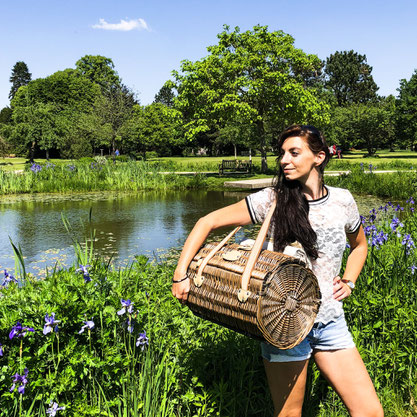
383	159
14	164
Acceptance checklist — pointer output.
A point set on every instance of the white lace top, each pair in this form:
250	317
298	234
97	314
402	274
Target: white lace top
331	217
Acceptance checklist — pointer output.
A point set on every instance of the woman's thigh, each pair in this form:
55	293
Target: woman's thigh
346	373
287	381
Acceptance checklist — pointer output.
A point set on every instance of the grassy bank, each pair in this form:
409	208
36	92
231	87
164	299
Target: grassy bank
98	175
99	361
102	174
397	185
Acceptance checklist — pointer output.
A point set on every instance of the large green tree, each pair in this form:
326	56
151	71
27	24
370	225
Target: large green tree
348	76
20	77
257	76
165	95
46	112
112	109
155	127
5	115
406	112
100	70
360	125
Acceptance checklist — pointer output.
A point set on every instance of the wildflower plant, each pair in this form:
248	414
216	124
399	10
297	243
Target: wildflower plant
8	278
84	270
36	168
19	382
88	325
50	324
19	331
53	409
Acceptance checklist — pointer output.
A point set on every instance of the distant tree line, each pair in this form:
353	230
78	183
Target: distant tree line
240	96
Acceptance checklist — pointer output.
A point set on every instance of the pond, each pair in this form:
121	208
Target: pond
125	225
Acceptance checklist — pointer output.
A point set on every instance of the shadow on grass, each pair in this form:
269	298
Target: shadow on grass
232	373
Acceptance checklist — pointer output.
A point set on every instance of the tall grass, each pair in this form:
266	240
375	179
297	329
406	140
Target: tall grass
396	185
94	176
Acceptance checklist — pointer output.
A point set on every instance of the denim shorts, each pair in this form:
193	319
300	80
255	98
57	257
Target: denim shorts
330	336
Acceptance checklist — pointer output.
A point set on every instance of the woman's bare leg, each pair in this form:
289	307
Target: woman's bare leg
287	381
346	373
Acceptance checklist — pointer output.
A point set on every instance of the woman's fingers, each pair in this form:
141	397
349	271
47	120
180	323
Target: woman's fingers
180	290
340	289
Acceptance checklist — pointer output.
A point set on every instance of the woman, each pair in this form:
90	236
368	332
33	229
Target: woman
320	218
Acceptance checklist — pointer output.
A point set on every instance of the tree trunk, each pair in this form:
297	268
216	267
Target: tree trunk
32	153
47	154
261	136
234	145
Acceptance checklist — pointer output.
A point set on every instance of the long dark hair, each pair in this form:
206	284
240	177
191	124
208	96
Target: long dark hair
290	218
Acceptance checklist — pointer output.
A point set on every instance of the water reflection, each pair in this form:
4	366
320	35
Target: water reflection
126	224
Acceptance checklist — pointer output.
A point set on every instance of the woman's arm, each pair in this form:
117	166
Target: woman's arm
234	215
354	264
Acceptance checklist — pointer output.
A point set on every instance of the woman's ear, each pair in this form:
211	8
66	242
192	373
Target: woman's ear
320	157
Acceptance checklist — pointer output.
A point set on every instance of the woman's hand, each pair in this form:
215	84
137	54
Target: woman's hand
340	289
181	289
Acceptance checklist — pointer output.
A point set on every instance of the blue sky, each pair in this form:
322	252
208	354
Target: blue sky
51	35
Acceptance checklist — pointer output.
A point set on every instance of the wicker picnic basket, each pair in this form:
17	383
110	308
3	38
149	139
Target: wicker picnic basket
260	293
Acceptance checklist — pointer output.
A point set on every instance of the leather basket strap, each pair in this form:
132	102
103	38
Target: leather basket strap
243	294
198	279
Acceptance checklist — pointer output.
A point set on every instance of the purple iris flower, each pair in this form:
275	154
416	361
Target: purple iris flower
130	325
361	164
370	168
21	380
84	270
410	201
378	239
1	350
413	269
19	331
35	168
127	305
89	324
51	324
395	223
408	243
8	279
142	341
53	409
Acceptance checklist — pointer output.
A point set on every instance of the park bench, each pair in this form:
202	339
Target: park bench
235	166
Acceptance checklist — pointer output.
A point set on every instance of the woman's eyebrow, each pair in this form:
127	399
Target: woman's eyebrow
294	148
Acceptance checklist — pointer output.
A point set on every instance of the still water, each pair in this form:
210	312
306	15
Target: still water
125	224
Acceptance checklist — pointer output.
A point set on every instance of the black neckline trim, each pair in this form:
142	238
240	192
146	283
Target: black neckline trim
320	200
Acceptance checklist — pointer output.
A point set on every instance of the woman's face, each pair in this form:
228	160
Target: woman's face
297	160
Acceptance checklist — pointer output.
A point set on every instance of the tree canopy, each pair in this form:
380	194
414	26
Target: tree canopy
165	95
20	77
257	76
406	110
98	69
348	75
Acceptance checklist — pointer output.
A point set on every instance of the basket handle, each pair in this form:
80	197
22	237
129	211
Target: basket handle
243	293
198	279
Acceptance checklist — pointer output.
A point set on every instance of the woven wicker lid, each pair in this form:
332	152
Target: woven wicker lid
288	305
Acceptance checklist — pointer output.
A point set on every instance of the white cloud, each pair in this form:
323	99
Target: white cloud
124	25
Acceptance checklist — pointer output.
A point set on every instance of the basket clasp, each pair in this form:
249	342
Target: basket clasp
243	295
198	280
